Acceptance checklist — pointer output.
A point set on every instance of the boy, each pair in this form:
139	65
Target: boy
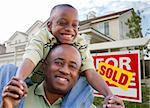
62	27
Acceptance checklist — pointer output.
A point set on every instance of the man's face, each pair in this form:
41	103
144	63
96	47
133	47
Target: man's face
62	70
64	24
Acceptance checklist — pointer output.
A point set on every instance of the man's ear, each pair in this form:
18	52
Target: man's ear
44	64
49	25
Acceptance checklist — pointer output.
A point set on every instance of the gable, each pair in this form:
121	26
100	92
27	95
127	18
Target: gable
34	28
17	37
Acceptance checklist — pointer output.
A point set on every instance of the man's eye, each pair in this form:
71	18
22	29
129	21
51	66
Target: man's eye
59	63
73	67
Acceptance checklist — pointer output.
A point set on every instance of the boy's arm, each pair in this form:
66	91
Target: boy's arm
113	102
96	81
99	84
33	54
25	69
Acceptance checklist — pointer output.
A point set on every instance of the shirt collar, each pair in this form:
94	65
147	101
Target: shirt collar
39	90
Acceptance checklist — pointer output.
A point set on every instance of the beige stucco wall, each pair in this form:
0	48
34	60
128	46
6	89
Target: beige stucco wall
123	27
18	40
11	58
113	27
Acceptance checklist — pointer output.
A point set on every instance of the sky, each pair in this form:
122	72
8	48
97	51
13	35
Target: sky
19	15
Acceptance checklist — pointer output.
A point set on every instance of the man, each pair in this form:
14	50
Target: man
61	72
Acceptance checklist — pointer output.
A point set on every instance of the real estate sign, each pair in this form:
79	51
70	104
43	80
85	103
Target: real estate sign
121	71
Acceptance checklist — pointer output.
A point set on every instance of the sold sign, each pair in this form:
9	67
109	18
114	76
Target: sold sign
115	75
121	71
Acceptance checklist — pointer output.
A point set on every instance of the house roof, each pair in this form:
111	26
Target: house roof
45	23
14	35
34	25
121	44
105	16
96	33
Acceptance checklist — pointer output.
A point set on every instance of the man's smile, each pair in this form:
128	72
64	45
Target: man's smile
62	79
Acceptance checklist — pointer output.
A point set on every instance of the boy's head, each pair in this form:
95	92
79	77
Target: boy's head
63	23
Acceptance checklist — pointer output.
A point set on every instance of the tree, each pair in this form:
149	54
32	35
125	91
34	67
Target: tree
134	24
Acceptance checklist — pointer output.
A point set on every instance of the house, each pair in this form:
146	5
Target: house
15	45
110	27
19	40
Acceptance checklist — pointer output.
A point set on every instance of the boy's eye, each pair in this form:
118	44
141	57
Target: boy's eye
62	23
75	25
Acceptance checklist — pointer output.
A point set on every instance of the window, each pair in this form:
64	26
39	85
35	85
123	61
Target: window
104	28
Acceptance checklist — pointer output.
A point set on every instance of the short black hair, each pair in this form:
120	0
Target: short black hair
61	6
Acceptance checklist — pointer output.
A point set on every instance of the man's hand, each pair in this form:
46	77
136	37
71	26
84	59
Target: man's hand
113	102
13	92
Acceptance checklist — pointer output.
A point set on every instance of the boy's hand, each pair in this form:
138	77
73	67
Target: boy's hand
113	102
13	92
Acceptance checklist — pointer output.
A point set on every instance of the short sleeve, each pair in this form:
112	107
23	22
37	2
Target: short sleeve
87	60
35	50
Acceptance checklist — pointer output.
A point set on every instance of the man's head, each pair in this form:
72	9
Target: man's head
61	69
63	23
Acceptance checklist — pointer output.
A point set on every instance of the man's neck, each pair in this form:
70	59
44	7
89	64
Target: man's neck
51	97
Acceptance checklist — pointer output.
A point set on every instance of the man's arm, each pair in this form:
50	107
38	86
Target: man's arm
7	102
13	92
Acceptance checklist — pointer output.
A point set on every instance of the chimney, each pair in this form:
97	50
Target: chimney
91	15
2	49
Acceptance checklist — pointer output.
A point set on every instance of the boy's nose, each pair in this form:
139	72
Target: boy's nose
69	28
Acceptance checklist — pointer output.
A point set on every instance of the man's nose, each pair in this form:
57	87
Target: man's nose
64	69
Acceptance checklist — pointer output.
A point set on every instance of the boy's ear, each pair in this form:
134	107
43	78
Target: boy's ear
49	25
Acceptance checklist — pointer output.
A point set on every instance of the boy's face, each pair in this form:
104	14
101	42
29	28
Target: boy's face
64	24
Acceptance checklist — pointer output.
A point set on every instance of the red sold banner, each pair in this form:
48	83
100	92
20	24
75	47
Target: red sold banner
121	71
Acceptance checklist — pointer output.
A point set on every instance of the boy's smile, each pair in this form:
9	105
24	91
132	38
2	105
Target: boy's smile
66	38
